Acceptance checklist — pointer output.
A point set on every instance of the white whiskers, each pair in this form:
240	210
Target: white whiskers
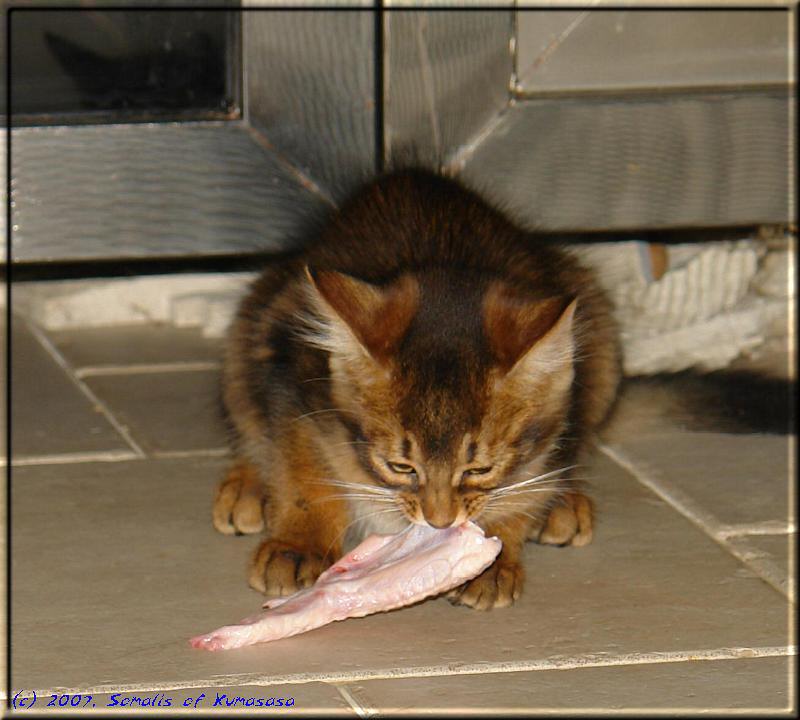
317	412
510	498
352	442
536	480
355	496
358	487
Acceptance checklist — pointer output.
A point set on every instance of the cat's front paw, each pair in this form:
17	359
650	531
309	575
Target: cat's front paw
569	522
239	502
496	587
281	568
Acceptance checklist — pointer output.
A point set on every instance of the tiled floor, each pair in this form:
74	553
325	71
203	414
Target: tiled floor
679	603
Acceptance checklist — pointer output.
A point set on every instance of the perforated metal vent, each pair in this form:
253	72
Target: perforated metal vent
129	191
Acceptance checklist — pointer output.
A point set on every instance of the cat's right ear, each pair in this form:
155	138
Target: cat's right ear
376	316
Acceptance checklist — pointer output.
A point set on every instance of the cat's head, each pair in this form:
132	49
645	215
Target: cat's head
454	386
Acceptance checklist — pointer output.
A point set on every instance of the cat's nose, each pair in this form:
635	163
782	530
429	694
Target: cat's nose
440	525
438	506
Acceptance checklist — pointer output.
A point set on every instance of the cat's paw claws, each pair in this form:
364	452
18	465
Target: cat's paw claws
239	503
496	587
569	523
280	568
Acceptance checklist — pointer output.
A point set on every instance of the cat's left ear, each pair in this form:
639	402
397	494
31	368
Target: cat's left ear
535	335
376	316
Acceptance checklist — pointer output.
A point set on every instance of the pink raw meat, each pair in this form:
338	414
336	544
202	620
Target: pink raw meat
384	572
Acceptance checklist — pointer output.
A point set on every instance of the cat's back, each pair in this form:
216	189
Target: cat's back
413	219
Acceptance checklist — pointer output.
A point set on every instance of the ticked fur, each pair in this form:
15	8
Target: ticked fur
424	361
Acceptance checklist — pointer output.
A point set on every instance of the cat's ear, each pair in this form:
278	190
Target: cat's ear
536	334
376	315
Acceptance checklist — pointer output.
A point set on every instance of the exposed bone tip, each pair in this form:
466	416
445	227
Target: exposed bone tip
203	642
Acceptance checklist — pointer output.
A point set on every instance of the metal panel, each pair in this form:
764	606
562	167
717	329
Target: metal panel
167	190
613	50
310	87
446	75
646	161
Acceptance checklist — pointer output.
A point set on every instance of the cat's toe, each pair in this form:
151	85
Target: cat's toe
280	569
496	587
238	505
569	523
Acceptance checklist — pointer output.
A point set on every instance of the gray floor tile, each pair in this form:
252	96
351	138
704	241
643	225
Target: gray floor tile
134	344
120	566
49	414
755	684
166	411
735	478
311	698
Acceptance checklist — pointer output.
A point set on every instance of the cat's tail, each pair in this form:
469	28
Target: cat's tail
726	401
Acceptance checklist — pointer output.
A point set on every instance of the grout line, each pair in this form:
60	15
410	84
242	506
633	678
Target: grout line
135	369
178	454
764	568
480	668
85	389
67	458
357	706
113	456
767	527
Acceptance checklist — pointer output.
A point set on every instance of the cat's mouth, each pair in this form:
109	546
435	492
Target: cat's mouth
462	517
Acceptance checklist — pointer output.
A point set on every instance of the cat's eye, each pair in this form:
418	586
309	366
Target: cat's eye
477	471
401	468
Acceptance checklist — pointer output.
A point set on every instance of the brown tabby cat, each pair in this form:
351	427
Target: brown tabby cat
424	360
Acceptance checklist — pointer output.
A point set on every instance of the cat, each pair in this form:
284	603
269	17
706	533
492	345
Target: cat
423	359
